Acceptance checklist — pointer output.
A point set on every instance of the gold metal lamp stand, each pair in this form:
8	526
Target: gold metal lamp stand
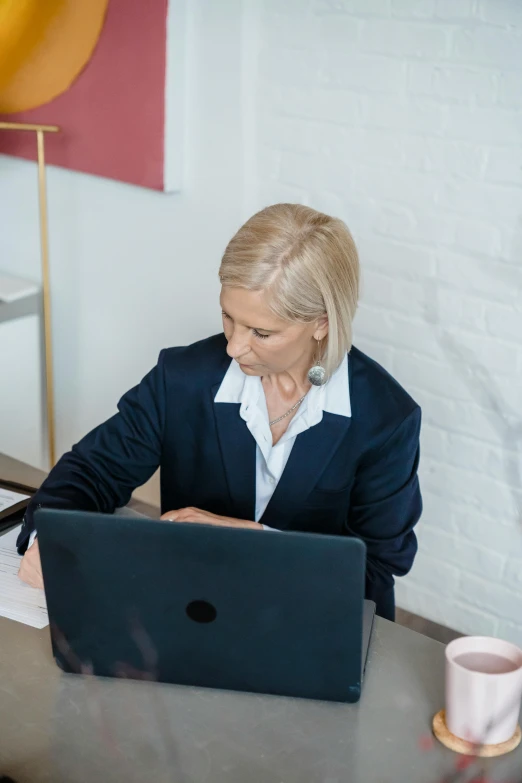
40	131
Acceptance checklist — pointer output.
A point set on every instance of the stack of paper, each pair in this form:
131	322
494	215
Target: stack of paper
18	601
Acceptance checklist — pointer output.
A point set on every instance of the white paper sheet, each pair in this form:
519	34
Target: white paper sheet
9	498
18	601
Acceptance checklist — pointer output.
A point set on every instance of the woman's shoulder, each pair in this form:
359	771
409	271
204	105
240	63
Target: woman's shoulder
375	391
205	361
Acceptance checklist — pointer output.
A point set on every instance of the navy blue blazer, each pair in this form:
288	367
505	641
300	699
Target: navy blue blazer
345	476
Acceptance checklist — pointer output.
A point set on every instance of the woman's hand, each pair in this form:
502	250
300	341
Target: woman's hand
31	568
206	518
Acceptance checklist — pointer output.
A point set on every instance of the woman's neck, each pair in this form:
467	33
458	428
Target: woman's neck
289	384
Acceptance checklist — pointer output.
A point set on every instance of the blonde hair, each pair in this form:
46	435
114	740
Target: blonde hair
308	265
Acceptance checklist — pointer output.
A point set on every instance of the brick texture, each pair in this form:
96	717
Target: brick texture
404	117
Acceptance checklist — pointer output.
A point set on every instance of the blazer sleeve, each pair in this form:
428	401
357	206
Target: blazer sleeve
386	505
105	467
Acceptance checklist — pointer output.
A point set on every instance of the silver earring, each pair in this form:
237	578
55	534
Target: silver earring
317	373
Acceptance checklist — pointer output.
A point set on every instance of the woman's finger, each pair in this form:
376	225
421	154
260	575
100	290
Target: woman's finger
170	516
191	514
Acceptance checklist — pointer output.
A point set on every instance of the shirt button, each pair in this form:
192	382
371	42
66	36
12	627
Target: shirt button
272	480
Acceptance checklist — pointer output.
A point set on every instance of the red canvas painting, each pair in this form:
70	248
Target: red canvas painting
112	117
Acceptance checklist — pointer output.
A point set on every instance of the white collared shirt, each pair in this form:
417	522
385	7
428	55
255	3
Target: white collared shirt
247	391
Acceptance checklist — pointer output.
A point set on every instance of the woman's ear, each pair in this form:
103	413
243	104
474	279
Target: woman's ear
321	328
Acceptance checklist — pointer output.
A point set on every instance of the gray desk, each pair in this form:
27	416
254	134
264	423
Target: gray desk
57	728
14	470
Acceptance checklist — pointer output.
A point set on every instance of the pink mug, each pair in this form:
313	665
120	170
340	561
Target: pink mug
483	689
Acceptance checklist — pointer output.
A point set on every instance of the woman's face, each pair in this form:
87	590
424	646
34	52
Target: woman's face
262	343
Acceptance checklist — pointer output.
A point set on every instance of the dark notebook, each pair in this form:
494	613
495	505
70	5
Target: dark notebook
11	514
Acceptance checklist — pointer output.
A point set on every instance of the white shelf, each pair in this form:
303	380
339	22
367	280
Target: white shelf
29	305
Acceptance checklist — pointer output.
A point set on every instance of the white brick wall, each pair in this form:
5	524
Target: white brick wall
404	117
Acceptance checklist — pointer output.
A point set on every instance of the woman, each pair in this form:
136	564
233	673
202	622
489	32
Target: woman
277	424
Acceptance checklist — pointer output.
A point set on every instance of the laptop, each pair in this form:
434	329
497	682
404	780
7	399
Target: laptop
207	606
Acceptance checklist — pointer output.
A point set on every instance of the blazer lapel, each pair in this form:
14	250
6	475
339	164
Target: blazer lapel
238	451
310	455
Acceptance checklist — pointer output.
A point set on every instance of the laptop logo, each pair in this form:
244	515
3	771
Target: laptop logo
201	611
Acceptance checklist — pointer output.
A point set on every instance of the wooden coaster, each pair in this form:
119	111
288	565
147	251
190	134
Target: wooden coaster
452	742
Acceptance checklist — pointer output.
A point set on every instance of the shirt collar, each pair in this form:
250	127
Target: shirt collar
333	397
